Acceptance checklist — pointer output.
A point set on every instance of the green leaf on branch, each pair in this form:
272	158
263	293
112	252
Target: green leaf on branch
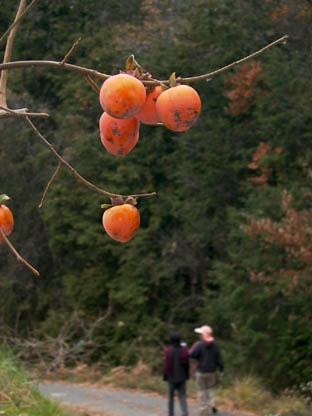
4	198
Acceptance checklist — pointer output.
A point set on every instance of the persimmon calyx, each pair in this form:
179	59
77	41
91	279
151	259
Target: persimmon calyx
172	81
133	67
131	200
4	198
120	201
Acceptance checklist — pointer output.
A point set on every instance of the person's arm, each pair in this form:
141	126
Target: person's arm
194	351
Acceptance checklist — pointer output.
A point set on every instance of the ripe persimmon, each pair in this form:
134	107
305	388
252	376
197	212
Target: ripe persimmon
6	217
178	107
119	136
148	114
122	96
121	222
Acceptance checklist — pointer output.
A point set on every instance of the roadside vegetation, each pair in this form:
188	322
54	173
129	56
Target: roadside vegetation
18	396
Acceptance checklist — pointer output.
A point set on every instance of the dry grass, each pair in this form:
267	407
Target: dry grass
139	377
251	395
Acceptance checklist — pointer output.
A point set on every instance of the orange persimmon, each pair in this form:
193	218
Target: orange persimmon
148	114
122	96
178	107
6	218
121	222
119	136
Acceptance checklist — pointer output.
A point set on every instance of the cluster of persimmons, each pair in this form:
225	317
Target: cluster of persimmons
127	103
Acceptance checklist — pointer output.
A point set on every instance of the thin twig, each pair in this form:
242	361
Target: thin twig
8	53
16	22
20	113
71	51
75	173
230	66
96	74
93	83
57	171
18	256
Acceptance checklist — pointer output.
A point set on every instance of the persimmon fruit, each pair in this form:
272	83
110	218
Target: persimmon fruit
179	107
148	114
121	222
6	220
122	96
119	136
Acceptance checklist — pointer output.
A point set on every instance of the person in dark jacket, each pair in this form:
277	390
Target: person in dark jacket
176	372
209	360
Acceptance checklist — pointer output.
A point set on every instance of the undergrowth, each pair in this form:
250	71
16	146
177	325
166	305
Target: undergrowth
18	396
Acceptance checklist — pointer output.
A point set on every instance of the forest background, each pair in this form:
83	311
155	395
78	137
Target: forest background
227	240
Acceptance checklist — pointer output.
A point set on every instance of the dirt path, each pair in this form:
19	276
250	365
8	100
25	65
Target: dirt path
112	402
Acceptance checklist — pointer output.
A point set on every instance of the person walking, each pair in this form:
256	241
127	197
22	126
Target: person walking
176	372
209	360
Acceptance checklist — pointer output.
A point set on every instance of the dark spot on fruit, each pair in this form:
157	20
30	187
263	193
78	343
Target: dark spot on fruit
116	131
177	117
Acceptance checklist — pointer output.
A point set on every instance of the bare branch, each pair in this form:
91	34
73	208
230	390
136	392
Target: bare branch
18	256
17	21
8	52
230	66
96	74
71	51
54	64
5	112
57	171
75	173
93	83
22	112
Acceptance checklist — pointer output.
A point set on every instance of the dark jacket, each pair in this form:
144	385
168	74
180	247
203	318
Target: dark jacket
208	355
176	364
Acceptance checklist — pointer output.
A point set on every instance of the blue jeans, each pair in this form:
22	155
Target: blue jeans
181	387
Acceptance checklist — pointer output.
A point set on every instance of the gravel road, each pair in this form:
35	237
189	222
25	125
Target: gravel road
110	401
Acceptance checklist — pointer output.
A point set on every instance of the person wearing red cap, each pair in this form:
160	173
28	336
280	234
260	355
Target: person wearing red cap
209	360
